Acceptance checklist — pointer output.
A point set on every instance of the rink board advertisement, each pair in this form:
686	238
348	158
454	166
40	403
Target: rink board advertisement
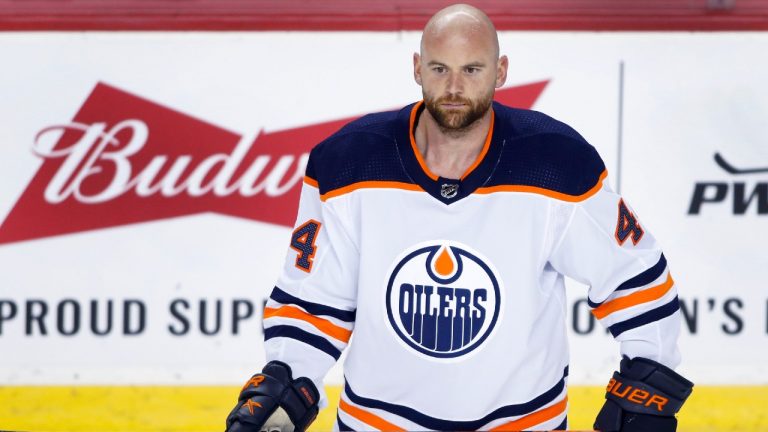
150	183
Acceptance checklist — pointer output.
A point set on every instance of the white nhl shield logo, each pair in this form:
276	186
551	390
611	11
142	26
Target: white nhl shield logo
449	190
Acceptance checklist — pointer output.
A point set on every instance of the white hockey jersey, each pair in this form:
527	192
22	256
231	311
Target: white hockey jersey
453	288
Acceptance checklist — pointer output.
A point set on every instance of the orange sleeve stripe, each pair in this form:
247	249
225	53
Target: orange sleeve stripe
310	181
535	418
370	185
640	297
325	326
368	418
542	191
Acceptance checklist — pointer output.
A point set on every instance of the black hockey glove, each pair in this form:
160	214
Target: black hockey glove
643	396
274	401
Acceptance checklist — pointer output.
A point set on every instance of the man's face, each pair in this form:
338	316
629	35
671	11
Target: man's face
458	73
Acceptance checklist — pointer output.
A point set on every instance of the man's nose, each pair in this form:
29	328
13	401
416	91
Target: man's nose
455	84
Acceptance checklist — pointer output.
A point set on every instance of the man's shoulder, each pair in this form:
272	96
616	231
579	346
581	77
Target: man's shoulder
359	135
362	150
522	123
545	153
378	123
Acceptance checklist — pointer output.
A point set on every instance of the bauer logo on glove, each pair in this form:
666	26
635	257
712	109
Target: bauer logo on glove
643	396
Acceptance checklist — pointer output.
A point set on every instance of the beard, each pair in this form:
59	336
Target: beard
458	120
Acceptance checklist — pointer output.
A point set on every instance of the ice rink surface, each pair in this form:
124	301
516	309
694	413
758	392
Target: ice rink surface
188	409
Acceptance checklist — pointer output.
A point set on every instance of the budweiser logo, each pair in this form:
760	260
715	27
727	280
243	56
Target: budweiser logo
164	175
124	159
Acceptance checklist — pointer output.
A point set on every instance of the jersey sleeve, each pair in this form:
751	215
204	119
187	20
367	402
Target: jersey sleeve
604	245
310	314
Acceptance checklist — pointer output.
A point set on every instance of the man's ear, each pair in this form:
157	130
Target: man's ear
501	71
417	68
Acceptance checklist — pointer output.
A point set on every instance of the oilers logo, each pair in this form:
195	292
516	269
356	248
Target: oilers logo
443	299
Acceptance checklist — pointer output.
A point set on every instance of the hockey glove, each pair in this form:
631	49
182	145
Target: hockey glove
273	401
643	396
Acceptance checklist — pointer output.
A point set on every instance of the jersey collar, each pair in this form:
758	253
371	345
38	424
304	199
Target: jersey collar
446	190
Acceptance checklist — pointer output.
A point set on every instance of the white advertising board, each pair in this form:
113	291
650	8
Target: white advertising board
149	182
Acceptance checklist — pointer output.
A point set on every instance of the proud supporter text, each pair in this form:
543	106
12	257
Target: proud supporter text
40	318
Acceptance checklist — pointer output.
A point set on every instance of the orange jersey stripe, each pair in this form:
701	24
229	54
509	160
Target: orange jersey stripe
420	159
368	418
324	326
370	185
415	149
635	299
535	418
542	191
486	146
310	181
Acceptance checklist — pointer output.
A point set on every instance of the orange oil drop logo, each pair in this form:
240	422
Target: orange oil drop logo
444	265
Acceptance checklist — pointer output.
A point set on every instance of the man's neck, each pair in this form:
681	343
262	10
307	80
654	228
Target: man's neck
449	154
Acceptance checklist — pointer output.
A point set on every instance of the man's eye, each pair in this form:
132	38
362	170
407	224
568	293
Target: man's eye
472	70
439	69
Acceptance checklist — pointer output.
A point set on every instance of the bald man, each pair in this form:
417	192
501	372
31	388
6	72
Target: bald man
439	235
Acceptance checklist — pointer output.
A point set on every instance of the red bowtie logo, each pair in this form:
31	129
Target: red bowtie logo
124	159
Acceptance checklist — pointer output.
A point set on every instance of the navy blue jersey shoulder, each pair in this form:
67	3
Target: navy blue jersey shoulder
543	152
362	150
528	148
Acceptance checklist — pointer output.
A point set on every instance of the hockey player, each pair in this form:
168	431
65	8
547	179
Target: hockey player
440	233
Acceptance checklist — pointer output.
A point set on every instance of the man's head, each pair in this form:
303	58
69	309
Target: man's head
459	67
